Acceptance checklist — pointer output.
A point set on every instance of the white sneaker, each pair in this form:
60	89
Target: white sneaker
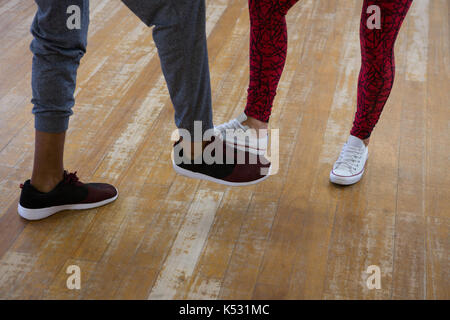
242	137
349	167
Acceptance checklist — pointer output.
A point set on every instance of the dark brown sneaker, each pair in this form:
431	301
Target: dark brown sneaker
233	167
69	194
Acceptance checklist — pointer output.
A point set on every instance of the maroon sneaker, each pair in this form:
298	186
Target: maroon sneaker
233	167
69	194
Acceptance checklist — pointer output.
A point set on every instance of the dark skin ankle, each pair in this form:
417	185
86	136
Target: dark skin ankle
46	184
48	167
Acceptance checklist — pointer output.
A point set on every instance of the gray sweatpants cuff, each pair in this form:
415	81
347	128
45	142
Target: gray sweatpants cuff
51	123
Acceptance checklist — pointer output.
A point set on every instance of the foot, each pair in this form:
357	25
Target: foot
223	164
349	167
238	134
69	194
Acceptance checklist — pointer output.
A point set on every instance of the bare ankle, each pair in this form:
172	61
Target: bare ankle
256	124
45	183
366	141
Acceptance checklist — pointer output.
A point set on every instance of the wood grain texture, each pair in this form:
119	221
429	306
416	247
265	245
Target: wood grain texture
294	236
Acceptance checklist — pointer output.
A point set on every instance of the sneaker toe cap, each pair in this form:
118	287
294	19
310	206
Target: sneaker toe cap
99	192
342	172
248	173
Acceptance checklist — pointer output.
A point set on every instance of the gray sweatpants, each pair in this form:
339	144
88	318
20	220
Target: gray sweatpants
60	41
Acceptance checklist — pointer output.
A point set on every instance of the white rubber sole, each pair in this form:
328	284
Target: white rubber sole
345	181
201	176
38	214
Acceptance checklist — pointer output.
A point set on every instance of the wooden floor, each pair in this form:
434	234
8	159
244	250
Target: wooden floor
294	236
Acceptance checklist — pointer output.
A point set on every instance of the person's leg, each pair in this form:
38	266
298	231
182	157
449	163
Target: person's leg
268	48
180	37
375	82
48	166
60	37
376	76
57	51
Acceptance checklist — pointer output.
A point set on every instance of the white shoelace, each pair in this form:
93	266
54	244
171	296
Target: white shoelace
233	124
350	157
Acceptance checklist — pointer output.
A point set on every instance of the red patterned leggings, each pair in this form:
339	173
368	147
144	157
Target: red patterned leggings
268	47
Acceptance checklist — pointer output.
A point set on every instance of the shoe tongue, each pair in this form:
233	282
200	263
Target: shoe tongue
355	142
242	117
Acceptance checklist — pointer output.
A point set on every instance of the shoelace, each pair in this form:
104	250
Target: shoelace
70	178
349	157
233	124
